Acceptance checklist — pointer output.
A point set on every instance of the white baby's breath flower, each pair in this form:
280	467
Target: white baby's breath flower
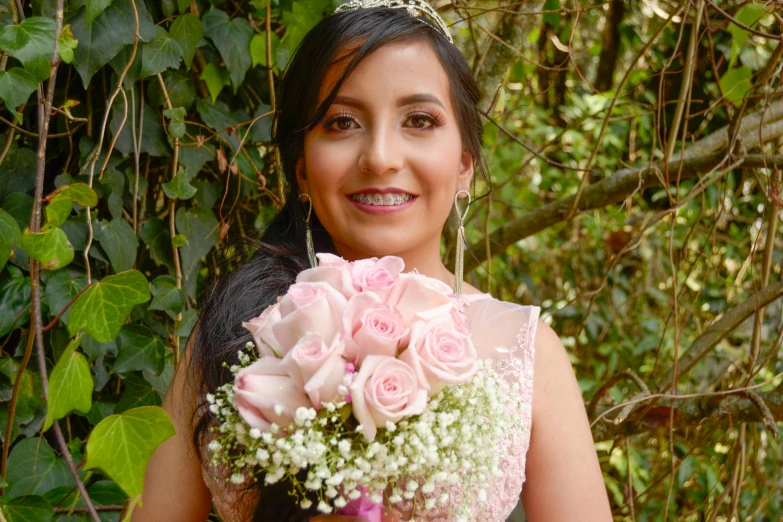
237	478
324	508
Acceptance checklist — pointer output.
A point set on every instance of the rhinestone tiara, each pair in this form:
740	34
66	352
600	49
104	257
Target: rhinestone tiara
415	8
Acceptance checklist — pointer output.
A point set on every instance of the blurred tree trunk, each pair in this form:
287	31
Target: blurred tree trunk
610	46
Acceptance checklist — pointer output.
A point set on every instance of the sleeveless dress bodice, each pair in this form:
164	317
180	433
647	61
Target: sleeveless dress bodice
503	332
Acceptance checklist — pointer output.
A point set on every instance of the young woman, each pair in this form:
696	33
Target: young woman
378	129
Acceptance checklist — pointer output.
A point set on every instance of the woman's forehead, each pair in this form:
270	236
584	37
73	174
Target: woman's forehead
400	68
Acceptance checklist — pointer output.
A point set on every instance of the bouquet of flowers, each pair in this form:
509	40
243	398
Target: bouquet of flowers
365	378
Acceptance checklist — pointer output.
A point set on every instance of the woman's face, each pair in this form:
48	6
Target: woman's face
384	165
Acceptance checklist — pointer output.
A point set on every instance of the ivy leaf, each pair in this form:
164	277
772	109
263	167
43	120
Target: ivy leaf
232	39
200	227
155	233
29	508
57	213
9	234
29	405
103	308
32	43
187	323
79	193
66	43
160	54
181	89
258	48
140	349
14	299
187	31
94	8
749	15
112	30
118	241
176	116
138	392
16	86
179	187
166	295
121	445
51	248
216	78
34	469
70	386
61	287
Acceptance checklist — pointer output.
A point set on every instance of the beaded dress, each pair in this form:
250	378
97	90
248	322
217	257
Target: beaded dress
501	331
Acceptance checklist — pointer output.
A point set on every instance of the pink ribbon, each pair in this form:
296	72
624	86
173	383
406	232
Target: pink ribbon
364	507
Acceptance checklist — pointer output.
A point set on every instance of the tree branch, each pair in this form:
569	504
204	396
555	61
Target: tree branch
700	157
695	411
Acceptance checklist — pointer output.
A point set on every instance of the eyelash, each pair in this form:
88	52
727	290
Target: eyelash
435	119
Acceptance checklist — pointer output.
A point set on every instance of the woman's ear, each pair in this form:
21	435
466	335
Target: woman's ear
301	176
466	169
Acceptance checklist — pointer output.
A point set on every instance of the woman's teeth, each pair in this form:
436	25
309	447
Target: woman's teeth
382	199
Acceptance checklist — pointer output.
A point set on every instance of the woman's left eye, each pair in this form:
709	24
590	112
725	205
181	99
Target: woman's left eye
423	121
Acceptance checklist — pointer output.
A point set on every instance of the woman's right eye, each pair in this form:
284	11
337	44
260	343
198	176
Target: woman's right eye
339	123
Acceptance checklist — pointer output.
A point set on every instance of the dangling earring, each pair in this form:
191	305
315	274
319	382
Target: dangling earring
461	242
309	234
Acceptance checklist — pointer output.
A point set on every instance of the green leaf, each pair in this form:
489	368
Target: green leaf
121	445
30	408
61	287
302	17
57	213
9	234
181	89
29	508
51	248
112	30
735	84
179	187
187	323
160	54
232	39
166	295
94	8
32	43
79	193
179	240
176	116
138	392
14	299
258	48
16	86
70	385
103	308
200	227
66	43
552	19
118	241
34	469
216	78
187	31
155	233
749	15
140	349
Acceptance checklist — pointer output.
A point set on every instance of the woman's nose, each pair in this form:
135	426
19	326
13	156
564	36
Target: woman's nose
381	153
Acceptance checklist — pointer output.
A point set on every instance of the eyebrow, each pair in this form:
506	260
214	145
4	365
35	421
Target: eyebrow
401	102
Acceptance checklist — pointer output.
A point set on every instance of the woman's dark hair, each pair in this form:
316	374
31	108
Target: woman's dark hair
342	40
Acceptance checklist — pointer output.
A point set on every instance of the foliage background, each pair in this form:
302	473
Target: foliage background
634	150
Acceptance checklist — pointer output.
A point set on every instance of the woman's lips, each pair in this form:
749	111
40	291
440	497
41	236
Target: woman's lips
382	209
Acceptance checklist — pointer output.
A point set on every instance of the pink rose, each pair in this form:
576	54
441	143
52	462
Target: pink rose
332	270
261	329
377	275
371	328
385	389
316	368
440	354
263	387
415	294
308	308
